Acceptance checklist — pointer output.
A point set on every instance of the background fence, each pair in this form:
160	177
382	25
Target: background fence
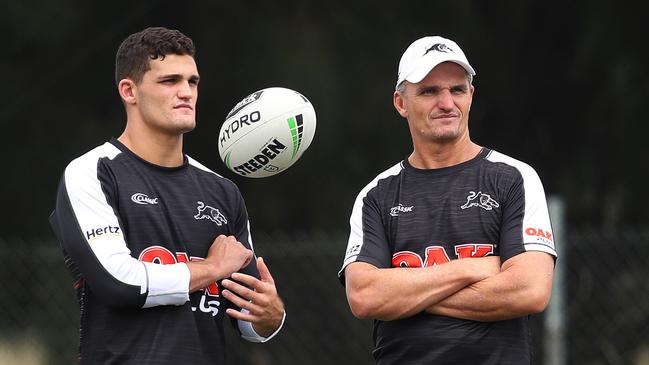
605	310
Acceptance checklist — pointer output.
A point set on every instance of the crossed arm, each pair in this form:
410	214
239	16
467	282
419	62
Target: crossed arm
474	288
262	306
522	287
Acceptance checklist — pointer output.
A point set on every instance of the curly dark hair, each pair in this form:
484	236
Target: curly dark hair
135	52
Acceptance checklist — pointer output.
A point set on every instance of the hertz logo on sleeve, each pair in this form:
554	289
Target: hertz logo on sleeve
96	232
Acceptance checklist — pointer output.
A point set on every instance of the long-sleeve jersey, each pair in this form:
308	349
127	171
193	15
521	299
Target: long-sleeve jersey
127	228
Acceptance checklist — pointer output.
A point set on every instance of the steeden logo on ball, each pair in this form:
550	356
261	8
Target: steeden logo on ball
267	132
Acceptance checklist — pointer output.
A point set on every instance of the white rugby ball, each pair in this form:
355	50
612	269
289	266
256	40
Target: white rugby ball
267	132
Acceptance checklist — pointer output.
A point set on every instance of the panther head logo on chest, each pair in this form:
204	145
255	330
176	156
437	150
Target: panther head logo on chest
211	213
480	199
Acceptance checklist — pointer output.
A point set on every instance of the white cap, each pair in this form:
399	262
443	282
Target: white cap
426	53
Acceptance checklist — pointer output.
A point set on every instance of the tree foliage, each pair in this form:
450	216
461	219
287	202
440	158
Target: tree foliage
559	85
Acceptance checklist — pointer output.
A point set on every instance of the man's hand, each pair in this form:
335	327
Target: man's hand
225	256
258	297
228	256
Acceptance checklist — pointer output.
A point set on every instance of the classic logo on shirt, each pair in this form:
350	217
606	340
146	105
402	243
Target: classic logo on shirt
480	199
211	213
141	198
394	211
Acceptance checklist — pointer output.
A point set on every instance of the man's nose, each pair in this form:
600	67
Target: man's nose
445	100
185	90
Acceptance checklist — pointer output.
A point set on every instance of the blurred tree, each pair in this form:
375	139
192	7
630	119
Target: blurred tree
560	86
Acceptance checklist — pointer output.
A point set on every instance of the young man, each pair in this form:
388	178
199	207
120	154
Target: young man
159	245
451	249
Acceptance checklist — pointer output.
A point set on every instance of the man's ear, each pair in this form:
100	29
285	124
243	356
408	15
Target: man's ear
472	89
127	89
400	104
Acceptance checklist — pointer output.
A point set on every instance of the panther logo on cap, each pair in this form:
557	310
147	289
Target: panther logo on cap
439	47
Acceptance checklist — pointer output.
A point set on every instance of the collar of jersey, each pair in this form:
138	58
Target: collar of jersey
450	169
148	164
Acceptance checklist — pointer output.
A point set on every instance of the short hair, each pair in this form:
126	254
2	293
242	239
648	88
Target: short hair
401	88
135	52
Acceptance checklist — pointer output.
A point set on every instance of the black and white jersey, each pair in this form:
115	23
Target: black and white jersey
408	217
127	228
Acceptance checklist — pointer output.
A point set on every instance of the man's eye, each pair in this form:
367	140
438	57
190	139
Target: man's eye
458	90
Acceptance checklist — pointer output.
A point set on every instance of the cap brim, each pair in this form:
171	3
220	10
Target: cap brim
422	71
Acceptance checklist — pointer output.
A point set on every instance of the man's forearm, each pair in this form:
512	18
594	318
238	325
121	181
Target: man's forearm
395	293
522	288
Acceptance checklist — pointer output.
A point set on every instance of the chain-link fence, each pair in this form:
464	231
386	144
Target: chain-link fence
606	308
40	321
607	297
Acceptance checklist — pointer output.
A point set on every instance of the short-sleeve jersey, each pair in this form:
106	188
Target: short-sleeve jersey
409	217
126	228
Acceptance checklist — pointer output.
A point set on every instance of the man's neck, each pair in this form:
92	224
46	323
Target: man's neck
156	148
435	156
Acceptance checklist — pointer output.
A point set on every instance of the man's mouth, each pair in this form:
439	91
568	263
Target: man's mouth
184	106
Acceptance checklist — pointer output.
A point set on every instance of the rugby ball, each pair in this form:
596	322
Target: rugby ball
267	132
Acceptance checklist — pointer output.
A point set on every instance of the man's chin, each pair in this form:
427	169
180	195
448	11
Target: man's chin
446	137
186	126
